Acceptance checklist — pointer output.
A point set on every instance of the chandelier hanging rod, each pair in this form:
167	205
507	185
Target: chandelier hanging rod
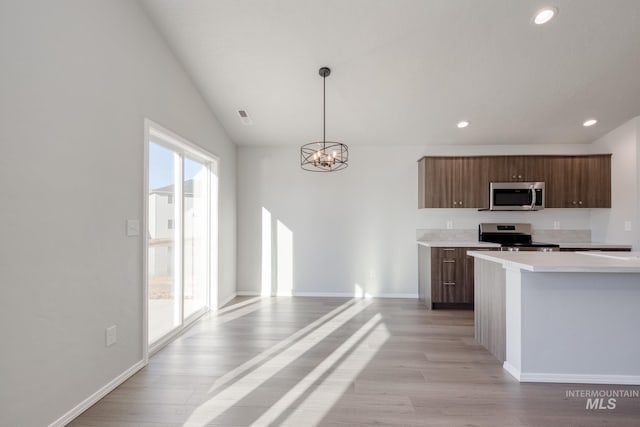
324	156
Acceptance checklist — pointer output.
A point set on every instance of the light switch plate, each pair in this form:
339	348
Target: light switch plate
627	226
449	225
133	227
556	225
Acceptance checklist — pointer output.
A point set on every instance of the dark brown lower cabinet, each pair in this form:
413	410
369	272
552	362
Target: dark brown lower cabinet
451	278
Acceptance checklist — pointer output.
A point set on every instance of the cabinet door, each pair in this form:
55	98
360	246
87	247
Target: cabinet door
595	191
558	193
534	168
516	168
506	168
447	275
472	190
453	182
438	183
578	181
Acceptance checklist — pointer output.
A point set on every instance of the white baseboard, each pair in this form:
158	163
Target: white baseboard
580	379
351	295
532	377
227	301
331	294
512	370
95	397
248	293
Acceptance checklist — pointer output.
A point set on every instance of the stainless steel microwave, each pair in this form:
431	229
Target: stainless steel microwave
516	196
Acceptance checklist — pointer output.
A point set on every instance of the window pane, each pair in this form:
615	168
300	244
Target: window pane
161	266
196	232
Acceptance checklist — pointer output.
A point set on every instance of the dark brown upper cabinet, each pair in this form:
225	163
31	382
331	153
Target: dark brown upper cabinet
463	182
453	182
516	168
578	181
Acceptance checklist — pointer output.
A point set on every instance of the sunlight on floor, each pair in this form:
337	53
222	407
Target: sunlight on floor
236	306
239	389
228	377
240	309
325	394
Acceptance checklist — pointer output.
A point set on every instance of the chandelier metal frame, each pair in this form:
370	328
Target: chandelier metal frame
324	156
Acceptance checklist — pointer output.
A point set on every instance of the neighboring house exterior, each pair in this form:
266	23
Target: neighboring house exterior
162	225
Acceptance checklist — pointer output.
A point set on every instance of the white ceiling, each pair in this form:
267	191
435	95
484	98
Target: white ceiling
406	71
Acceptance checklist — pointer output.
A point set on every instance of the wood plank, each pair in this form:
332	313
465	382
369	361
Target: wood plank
411	367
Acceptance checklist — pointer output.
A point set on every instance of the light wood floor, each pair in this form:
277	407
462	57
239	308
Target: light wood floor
339	362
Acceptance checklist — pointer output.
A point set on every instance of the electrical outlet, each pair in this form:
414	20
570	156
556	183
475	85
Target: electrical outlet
449	225
111	336
556	225
627	226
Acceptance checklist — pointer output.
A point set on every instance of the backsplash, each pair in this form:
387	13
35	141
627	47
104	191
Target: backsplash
471	235
562	236
446	235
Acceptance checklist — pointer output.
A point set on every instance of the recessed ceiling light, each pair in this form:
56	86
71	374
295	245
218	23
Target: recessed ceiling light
545	15
462	124
590	122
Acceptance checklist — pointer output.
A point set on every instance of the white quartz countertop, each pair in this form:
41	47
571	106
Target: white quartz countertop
477	244
593	245
457	244
565	262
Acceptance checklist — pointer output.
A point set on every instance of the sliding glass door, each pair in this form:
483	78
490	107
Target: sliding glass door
163	251
196	228
181	232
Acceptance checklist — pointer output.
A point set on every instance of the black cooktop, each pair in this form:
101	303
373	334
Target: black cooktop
530	245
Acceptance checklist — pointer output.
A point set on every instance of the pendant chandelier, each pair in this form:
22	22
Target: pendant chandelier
325	156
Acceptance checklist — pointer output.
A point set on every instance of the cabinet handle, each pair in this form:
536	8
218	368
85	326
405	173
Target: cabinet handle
449	283
519	176
579	202
449	249
460	203
448	260
573	202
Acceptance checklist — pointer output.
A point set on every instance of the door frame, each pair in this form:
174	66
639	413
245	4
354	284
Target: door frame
174	141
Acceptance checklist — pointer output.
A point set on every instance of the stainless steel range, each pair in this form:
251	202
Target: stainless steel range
513	237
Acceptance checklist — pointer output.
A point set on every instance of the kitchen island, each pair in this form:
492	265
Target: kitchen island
570	317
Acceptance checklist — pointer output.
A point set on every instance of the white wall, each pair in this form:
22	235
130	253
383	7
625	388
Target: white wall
358	226
78	79
636	245
352	227
608	224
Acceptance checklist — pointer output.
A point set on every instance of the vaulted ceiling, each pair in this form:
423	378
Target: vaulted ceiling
406	71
